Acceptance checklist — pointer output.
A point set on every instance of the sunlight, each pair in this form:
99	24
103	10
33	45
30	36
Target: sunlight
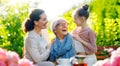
11	2
4	5
53	8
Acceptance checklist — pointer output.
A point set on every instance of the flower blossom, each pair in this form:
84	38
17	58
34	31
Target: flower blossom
25	62
9	58
114	59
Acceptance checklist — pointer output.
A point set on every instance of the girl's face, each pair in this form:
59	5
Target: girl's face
61	28
42	22
79	20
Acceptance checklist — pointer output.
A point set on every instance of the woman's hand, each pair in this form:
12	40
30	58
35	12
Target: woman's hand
48	46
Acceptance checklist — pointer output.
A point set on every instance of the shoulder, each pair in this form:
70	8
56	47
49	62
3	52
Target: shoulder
30	37
91	32
31	34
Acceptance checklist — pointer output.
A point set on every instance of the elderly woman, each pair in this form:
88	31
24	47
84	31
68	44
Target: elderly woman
62	44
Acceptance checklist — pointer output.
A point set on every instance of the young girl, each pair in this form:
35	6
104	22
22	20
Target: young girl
84	36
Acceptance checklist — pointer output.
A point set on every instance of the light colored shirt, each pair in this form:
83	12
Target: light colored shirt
78	46
35	47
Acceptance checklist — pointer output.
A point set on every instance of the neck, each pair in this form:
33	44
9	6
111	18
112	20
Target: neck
84	26
60	37
37	30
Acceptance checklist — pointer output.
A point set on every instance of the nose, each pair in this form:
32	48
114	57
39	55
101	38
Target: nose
65	25
46	21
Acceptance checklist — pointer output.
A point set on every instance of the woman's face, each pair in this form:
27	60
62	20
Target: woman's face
78	20
42	22
62	28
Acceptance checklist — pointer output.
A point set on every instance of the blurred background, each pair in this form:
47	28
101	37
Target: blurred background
104	19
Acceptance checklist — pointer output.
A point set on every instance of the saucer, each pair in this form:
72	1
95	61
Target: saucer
63	65
80	55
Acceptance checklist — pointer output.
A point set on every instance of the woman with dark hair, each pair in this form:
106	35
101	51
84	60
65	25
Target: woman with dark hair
36	47
85	37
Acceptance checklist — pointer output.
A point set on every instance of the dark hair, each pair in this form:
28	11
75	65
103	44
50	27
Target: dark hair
28	25
83	11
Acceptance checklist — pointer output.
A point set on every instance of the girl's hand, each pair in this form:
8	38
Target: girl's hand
76	37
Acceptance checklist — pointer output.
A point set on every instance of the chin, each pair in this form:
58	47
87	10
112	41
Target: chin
44	27
65	33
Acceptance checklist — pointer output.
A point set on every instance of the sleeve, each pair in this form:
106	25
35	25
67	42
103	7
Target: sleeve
91	47
33	50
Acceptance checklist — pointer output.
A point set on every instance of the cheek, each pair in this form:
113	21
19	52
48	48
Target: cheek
42	23
77	22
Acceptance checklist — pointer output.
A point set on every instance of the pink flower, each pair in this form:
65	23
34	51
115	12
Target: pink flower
12	58
25	62
98	63
9	58
12	64
2	54
116	61
2	63
106	62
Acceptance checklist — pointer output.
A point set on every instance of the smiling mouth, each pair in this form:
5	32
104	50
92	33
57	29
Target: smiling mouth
45	24
64	30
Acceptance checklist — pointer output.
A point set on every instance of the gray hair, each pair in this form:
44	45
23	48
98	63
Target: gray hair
55	22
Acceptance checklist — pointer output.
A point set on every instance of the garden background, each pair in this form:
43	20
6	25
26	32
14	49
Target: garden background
104	20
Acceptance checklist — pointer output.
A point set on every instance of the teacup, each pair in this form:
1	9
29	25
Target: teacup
64	62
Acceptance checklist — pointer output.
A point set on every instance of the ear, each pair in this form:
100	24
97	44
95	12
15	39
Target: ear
83	18
35	22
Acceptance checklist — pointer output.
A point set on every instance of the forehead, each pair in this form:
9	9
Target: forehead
61	21
43	15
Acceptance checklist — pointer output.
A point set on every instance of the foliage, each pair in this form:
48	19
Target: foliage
105	21
11	18
105	17
69	18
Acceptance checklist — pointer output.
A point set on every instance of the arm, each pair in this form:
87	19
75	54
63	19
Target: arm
90	46
33	49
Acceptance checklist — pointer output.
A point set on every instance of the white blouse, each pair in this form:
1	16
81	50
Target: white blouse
35	47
